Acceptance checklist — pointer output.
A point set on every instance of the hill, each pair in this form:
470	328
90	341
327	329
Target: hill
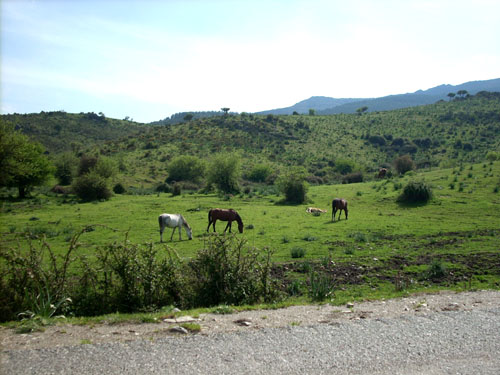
61	131
318	103
328	106
328	148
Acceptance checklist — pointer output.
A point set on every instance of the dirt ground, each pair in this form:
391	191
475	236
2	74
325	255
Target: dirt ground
67	335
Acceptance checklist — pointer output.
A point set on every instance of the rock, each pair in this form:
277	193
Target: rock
350	305
181	319
243	322
179	329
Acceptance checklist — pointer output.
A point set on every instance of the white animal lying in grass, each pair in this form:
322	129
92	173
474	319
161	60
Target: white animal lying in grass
312	210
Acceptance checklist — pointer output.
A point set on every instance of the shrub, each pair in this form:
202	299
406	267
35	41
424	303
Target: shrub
344	166
416	192
176	189
185	168
86	164
435	271
119	188
404	164
227	272
66	166
105	167
260	173
164	188
320	286
297	252
294	187
352	178
224	172
91	186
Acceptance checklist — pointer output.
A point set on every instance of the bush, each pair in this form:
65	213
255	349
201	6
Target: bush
259	173
66	166
91	186
294	187
224	172
86	164
119	188
435	271
352	178
320	286
226	272
176	189
404	164
297	252
344	166
185	168
416	192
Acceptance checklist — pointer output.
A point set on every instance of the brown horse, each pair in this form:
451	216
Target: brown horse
339	204
382	172
224	215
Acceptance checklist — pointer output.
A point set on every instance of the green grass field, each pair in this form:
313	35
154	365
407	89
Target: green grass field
382	250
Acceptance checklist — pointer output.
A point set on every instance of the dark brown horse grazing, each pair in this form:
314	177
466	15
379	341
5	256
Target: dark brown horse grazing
339	204
224	215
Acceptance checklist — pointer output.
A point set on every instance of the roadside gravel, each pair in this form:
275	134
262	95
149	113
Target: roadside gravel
445	333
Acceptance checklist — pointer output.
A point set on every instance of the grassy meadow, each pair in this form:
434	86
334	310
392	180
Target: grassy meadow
381	241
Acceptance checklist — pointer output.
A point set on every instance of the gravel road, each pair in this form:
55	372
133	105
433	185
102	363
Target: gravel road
457	337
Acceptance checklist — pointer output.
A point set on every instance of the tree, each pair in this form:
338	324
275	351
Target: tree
361	110
451	95
225	110
188	117
224	172
22	162
312	112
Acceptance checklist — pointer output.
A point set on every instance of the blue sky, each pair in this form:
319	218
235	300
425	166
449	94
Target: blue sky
150	59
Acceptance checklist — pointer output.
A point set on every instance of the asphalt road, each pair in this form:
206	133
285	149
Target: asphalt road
448	342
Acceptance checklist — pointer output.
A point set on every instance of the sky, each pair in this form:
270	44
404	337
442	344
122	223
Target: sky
149	59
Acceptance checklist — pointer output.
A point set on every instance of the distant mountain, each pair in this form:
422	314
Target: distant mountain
327	106
317	103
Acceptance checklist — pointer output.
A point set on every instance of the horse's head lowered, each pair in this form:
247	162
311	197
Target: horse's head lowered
240	223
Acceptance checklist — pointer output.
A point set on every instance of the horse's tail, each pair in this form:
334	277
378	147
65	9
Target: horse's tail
160	220
209	216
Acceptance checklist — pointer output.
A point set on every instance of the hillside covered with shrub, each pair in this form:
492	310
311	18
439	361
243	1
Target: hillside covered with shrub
328	149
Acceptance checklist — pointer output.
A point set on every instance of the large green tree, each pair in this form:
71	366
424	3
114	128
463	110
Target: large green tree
22	162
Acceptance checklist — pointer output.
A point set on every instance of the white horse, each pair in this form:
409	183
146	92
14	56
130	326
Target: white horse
174	221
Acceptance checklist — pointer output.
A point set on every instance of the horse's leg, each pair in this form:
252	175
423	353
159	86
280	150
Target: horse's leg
213	222
228	226
334	212
161	234
179	228
172	234
345	209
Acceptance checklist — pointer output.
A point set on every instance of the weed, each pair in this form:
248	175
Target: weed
223	310
192	327
297	252
320	287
